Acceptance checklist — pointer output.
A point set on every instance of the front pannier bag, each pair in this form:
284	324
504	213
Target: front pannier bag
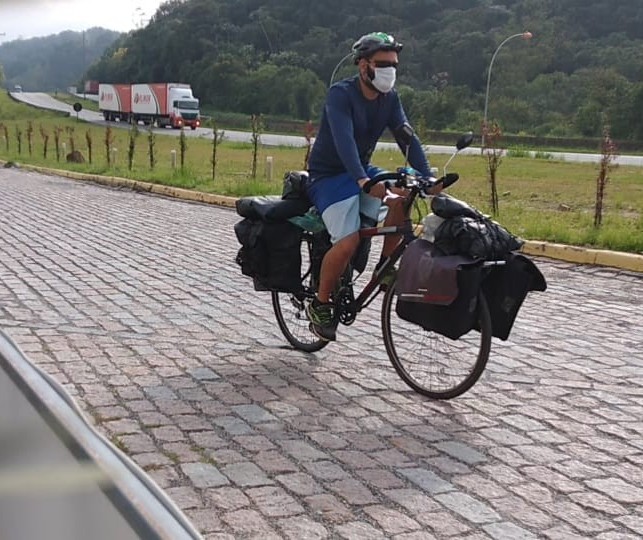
438	293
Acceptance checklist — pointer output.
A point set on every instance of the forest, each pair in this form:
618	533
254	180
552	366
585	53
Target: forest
53	62
581	71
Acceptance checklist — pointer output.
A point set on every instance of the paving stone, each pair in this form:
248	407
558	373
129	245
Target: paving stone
329	508
618	489
249	523
461	452
507	531
468	507
204	475
273	501
427	480
300	483
391	521
358	530
353	492
253	414
227	498
246	474
303	528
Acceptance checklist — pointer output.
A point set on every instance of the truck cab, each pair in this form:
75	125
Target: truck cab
185	108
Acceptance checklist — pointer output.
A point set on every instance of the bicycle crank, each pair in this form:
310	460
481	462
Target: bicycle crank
345	306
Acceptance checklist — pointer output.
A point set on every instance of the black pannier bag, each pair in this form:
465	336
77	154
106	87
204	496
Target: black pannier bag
295	186
270	253
437	292
466	231
271	208
505	289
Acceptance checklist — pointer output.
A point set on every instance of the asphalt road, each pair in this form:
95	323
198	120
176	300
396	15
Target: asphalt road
134	303
45	101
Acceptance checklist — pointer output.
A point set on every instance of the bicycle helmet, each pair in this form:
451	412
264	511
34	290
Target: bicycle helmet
369	44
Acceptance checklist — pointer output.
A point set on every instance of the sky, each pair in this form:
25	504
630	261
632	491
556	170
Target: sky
32	18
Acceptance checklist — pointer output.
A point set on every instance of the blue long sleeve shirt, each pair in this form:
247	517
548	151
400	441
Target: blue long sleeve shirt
350	127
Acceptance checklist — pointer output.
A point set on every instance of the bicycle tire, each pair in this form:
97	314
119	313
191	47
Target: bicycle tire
290	308
430	363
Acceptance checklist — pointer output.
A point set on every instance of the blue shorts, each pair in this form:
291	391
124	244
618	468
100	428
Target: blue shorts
343	205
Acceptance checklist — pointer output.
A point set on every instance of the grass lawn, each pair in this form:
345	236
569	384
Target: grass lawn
540	199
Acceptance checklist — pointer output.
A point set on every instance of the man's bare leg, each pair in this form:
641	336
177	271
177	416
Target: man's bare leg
334	263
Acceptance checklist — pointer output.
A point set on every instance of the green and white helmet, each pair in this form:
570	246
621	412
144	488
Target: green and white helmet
369	44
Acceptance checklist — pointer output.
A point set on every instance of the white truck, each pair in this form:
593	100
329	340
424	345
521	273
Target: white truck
167	104
163	104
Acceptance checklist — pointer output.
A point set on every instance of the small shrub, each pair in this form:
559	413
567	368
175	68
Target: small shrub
45	141
256	124
183	147
133	135
57	133
89	140
30	137
151	143
19	139
109	142
5	134
606	165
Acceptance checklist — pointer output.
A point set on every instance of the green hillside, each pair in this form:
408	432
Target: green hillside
582	68
53	62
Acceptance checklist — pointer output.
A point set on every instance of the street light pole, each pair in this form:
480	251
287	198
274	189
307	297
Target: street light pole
523	35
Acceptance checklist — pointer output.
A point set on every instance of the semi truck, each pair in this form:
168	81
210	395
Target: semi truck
163	104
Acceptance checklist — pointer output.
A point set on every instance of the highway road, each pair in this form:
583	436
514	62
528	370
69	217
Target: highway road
45	101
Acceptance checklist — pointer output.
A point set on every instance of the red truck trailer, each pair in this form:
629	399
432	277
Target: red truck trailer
115	101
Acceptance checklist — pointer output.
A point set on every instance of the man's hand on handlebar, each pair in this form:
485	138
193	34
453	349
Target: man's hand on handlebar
378	190
435	189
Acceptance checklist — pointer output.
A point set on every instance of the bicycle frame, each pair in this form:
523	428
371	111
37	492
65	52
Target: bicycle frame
370	290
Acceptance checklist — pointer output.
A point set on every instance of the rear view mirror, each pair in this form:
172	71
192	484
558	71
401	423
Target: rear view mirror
404	134
464	141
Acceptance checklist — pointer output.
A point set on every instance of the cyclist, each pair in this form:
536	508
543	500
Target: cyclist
356	113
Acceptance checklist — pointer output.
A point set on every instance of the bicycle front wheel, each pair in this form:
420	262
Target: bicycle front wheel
290	308
434	365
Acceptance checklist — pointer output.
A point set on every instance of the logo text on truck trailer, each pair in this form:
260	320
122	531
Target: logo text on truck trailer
142	98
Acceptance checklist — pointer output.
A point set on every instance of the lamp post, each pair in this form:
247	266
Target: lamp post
523	35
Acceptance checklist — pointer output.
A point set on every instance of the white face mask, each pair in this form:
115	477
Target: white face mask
384	79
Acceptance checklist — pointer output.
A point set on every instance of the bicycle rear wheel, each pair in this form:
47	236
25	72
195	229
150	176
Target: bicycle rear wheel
290	308
434	365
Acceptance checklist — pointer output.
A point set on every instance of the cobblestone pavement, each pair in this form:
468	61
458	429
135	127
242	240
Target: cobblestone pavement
134	304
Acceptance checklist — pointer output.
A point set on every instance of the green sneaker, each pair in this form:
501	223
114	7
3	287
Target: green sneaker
322	321
388	278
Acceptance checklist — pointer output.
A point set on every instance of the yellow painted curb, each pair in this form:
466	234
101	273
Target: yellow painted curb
616	259
574	254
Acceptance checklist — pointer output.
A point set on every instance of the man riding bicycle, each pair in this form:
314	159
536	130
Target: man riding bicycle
356	113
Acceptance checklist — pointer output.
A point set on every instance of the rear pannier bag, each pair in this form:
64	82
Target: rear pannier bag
437	292
270	254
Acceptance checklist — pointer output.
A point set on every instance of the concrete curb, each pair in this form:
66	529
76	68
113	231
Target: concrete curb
574	254
616	259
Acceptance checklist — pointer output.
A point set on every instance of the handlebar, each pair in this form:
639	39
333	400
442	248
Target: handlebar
423	184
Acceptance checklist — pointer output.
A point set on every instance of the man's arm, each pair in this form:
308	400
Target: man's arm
340	120
417	158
